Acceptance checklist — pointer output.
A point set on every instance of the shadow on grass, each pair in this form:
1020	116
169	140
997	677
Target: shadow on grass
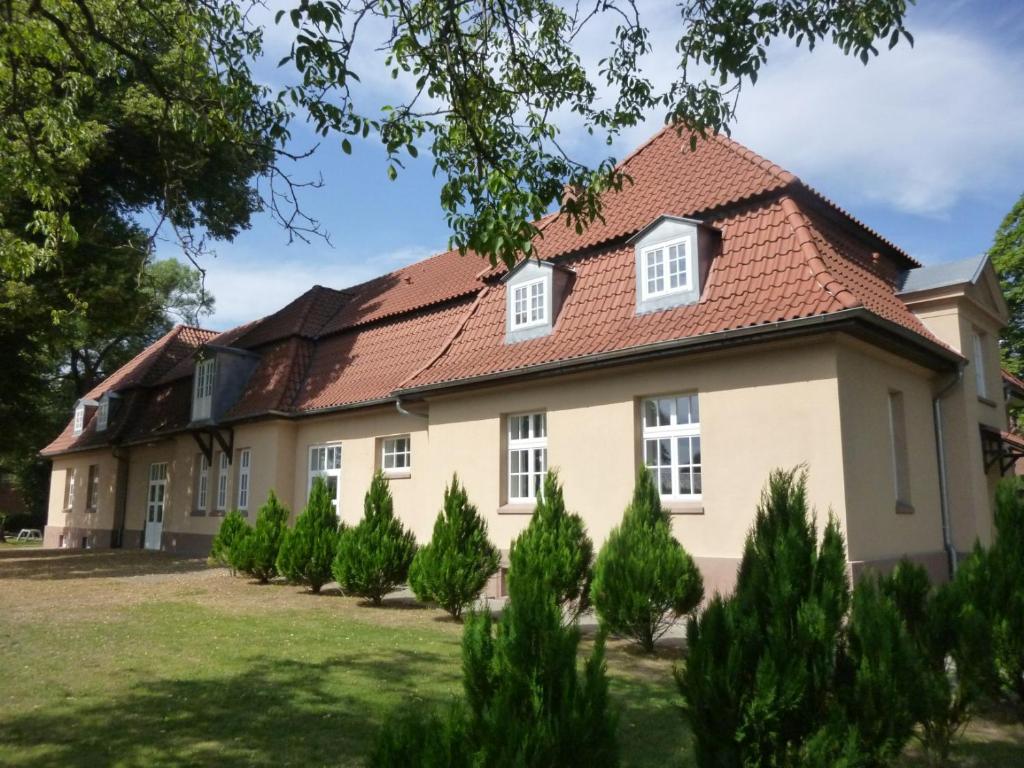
58	564
276	712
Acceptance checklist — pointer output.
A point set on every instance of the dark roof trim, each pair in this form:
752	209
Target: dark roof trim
856	321
641	233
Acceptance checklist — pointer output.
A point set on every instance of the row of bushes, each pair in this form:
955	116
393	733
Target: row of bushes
793	668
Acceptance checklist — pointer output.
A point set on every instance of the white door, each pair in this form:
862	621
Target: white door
155	505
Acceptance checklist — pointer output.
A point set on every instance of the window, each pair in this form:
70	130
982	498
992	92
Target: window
202	393
69	489
529	304
102	414
325	462
900	452
79	419
979	364
396	455
244	462
202	482
222	483
92	490
527	456
671	436
666	268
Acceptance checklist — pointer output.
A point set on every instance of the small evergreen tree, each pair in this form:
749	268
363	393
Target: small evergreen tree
776	674
555	548
953	644
526	703
1005	576
307	550
374	556
644	579
232	528
256	551
454	567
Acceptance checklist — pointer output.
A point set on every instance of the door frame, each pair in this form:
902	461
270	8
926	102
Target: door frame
157	480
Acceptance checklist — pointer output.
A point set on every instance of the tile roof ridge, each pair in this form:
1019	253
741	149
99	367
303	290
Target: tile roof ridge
448	342
812	256
303	354
766	165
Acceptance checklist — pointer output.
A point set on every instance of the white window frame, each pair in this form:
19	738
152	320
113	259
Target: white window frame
534	447
79	423
244	471
222	482
673	432
330	467
92	488
202	388
102	414
69	489
980	379
680	243
529	308
203	484
392	460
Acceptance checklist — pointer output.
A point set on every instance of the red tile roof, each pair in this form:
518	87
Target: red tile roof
787	253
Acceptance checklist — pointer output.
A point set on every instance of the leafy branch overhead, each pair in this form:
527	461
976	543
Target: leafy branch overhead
492	79
123	107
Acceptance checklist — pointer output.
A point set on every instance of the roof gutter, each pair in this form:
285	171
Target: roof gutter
846	319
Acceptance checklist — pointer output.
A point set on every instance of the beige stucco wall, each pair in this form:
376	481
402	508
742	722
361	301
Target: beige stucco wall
971	490
875	529
77	519
776	407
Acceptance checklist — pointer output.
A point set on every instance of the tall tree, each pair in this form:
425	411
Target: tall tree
1007	254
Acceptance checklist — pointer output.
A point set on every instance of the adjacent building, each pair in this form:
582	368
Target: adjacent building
723	319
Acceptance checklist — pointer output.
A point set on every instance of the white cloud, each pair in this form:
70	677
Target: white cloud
248	284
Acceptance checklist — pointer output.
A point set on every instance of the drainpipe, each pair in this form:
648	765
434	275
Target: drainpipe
401	409
947	528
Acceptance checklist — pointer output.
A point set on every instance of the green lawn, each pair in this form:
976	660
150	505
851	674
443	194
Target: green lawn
133	660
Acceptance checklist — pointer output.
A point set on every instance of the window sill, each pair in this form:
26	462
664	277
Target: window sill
986	401
198	513
902	508
218	513
517	508
398	474
90	510
683	507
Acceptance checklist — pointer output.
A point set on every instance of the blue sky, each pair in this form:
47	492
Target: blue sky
925	145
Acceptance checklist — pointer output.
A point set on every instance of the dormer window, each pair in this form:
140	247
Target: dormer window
667	268
202	390
103	414
673	260
79	424
530	304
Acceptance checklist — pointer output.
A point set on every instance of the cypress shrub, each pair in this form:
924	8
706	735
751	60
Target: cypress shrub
555	548
776	674
1005	577
232	528
374	556
454	567
644	579
256	551
307	550
526	703
952	638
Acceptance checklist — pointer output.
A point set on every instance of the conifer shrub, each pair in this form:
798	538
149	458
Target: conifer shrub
453	568
374	556
307	550
232	528
255	552
526	703
643	578
781	672
555	549
1004	572
952	641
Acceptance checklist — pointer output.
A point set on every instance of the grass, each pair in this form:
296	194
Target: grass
129	659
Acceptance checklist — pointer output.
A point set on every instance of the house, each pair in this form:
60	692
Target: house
723	319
